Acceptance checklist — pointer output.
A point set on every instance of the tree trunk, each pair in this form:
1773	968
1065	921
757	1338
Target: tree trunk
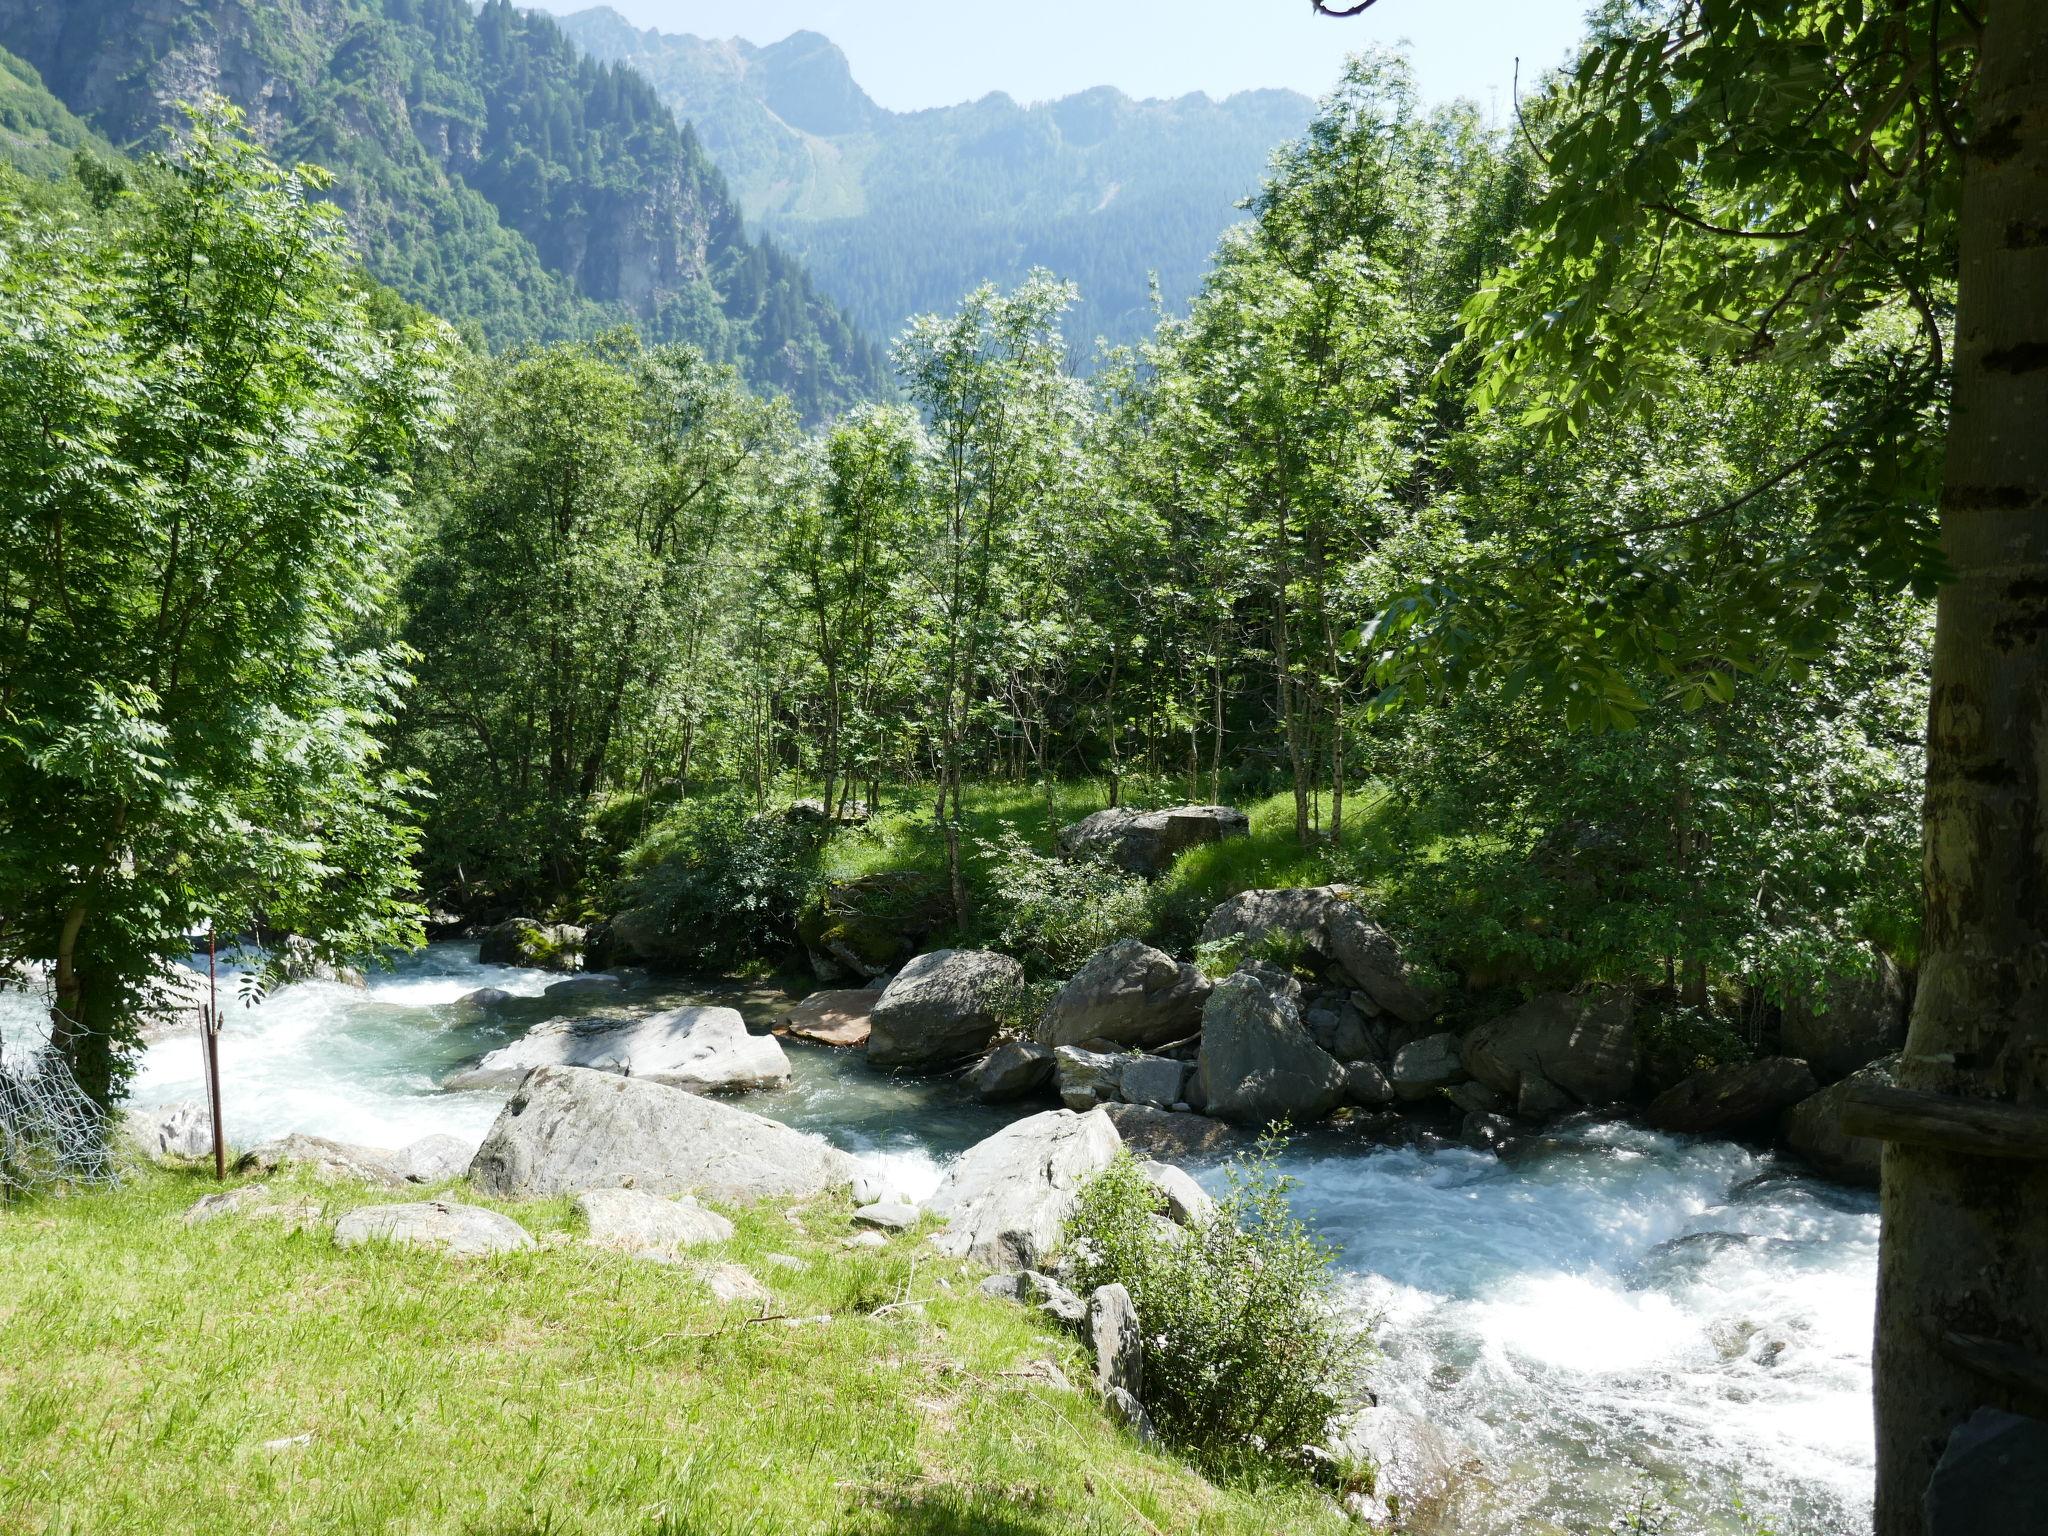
1964	1254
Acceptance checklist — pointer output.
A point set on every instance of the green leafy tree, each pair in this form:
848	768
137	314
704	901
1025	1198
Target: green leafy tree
204	442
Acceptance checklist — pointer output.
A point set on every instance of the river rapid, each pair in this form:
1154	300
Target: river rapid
1615	1319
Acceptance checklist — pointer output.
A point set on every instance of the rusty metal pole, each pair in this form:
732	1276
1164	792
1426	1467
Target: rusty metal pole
209	1031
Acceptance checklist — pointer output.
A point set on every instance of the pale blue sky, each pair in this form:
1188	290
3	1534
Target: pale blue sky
926	53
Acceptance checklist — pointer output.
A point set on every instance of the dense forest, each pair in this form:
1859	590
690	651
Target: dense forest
487	170
899	213
1610	548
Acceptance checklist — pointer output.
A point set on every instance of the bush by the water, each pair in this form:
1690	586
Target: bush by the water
720	885
1052	914
1246	1353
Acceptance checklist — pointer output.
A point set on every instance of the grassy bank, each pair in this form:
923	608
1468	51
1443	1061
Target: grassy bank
239	1377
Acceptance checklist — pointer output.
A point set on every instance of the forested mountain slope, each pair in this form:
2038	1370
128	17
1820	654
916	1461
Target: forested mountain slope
38	133
488	170
901	213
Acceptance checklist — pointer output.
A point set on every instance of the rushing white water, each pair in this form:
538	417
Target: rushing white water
1606	1313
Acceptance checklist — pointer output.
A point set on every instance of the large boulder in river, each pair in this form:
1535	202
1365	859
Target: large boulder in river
1147	842
1583	1043
840	1017
1010	1071
941	1008
1007	1199
1737	1097
706	1050
568	1129
1854	1021
522	941
1128	993
1426	1067
1813	1127
1327	920
1257	1063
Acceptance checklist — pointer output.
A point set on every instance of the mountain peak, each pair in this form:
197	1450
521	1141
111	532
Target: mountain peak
808	83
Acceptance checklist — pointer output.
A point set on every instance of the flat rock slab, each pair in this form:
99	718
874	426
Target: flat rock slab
890	1216
329	1160
706	1050
460	1231
631	1221
567	1129
841	1017
1174	1133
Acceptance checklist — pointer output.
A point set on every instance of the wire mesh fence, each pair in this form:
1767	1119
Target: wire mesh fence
51	1135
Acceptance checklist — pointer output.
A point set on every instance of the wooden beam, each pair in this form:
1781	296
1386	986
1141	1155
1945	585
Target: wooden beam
1975	1127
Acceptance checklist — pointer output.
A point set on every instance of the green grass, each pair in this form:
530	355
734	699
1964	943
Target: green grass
144	1365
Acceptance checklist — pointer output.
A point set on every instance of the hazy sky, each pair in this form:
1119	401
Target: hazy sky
927	53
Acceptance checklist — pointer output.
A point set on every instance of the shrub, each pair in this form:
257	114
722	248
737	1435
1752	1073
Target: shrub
720	886
1052	914
1246	1352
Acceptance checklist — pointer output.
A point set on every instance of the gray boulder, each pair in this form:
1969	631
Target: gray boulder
1007	1198
460	1231
183	1130
1032	1289
434	1158
1813	1127
1257	1064
1423	1067
584	989
1011	1071
1541	1099
706	1050
1087	1078
1855	1021
1131	1414
1174	1133
1367	1086
941	1007
1180	1197
1327	920
1156	1080
329	1160
646	1226
567	1129
484	997
522	941
1118	1345
1585	1044
1127	994
1740	1096
1147	842
887	1215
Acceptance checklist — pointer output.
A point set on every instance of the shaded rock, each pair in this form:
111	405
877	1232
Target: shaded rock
182	1130
733	1282
1257	1064
1736	1097
1856	1020
584	989
1147	842
1367	1086
1474	1098
1173	1133
1007	1198
1485	1132
840	1017
484	997
1010	1071
1113	1334
866	927
1053	1299
1131	1414
888	1216
1541	1099
1180	1197
648	1226
1086	1078
1156	1080
1424	1067
1585	1044
1813	1127
567	1129
524	942
434	1158
1326	920
941	1007
1127	994
329	1160
1992	1477
706	1050
460	1231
